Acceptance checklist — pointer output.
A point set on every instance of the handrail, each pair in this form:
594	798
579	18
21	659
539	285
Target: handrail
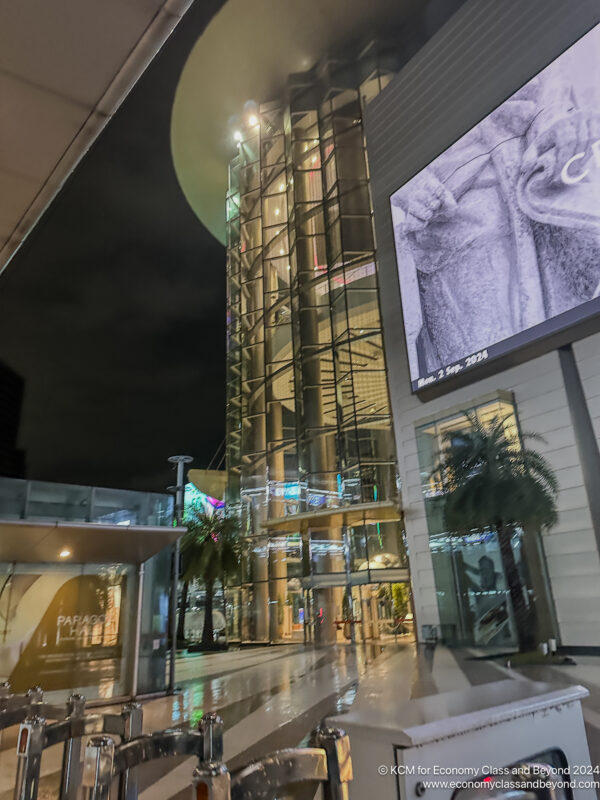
326	761
162	744
103	760
72	724
261	778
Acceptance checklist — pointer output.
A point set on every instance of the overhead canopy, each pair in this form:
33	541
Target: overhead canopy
65	67
33	542
210	481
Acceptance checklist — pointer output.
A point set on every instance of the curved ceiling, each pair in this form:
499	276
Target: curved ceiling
246	53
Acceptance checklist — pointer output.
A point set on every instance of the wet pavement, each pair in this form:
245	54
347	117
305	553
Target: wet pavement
268	698
271	697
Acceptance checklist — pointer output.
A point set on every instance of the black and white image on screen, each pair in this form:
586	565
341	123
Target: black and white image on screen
501	232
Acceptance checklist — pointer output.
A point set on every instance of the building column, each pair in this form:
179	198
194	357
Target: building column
585	436
277	549
260	576
328	601
277	586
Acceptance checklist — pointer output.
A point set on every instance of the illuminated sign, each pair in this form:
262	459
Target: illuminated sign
498	239
69	627
194	499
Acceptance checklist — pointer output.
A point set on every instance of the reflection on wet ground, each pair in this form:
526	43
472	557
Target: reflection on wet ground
268	698
272	697
246	684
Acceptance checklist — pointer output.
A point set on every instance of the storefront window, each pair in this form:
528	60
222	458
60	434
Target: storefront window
472	592
377	546
66	628
222	604
382	611
473	595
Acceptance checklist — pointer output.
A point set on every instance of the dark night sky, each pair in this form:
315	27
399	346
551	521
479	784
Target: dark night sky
114	308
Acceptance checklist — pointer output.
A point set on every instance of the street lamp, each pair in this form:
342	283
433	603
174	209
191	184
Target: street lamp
179	462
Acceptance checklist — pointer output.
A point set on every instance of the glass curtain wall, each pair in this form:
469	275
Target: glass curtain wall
308	417
473	594
46	501
67	627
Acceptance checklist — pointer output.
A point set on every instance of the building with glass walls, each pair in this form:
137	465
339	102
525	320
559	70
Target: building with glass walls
311	457
491	310
84	588
486	283
310	453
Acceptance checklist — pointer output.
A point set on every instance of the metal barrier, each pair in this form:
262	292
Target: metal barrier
103	761
210	779
15	707
71	725
325	762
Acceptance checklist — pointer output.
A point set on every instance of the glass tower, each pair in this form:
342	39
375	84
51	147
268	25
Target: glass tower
310	450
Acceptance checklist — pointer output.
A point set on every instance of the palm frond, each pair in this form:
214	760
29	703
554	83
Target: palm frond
490	480
210	548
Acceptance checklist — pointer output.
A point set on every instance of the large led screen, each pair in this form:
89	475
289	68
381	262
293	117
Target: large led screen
498	239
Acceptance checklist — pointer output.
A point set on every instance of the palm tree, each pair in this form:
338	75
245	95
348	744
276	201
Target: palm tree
210	551
493	481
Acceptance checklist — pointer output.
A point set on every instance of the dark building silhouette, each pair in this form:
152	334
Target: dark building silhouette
12	388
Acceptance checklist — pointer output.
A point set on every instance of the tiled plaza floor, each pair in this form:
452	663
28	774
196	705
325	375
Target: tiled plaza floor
272	697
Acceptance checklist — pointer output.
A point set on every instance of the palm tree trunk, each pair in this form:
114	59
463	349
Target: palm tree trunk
182	611
208	634
525	633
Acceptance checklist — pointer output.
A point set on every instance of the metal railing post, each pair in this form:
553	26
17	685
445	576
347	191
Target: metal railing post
211	781
71	769
98	768
132	715
336	744
34	695
211	728
30	744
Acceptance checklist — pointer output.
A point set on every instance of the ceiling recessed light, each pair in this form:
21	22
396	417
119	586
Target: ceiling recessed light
64	553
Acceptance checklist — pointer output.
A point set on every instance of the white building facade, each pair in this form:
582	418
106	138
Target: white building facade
551	387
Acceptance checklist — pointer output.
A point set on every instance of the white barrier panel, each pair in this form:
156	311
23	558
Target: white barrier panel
487	741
